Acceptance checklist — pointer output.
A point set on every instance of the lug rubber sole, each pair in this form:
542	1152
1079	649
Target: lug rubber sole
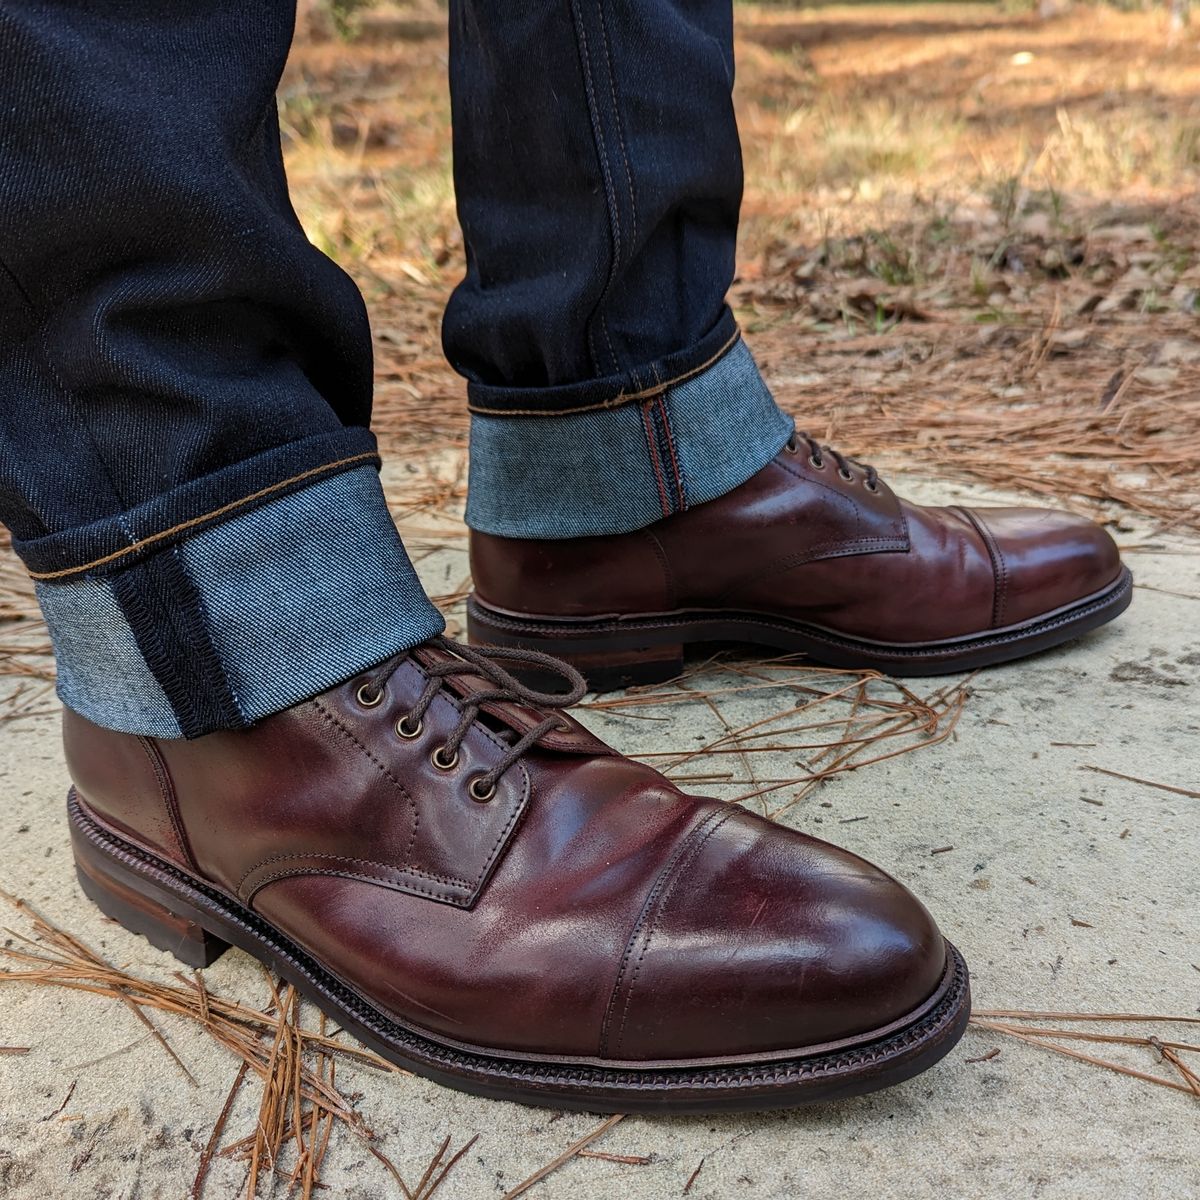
645	648
197	922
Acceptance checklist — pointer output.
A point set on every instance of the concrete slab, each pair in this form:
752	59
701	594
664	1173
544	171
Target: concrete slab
1065	889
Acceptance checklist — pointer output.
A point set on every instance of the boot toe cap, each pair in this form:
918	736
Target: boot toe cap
764	940
1046	560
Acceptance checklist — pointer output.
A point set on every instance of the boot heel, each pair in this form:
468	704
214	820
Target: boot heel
180	935
608	657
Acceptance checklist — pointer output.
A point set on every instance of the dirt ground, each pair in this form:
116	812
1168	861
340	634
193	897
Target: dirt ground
969	256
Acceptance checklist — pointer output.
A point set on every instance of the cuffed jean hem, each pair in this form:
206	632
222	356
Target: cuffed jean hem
617	469
118	541
640	383
247	617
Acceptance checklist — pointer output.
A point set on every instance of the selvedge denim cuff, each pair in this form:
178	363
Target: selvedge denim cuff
617	468
251	614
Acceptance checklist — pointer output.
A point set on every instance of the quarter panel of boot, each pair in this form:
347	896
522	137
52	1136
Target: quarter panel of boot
786	515
573	577
121	779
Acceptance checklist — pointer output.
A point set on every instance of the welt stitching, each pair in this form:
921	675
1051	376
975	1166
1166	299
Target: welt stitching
673	876
617	401
412	804
209	516
609	190
652	450
647	908
167	794
1104	599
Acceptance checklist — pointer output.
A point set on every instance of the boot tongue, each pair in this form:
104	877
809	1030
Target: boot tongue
570	737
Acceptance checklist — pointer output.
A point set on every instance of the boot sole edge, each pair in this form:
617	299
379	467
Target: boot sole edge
196	922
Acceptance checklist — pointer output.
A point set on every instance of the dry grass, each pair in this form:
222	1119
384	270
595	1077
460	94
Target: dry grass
835	721
1182	1078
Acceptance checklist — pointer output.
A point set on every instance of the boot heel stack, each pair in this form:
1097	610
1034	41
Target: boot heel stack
133	902
607	655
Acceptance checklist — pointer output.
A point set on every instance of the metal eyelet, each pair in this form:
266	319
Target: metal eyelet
848	476
871	487
407	731
366	699
791	447
563	727
479	795
818	463
441	762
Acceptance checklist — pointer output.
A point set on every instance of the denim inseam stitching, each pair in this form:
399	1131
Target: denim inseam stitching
666	404
241	502
176	607
664	454
150	644
652	451
614	215
621	398
664	423
612	91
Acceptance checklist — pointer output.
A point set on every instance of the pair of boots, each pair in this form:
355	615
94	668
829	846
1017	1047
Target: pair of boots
482	891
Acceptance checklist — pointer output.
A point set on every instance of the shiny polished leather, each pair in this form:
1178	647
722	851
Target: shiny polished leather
813	545
590	910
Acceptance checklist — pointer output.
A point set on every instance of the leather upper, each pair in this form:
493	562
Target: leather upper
589	910
811	545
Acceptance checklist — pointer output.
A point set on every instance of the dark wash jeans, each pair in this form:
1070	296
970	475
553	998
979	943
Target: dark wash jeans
185	460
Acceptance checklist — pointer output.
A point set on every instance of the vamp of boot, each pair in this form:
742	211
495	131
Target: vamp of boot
816	555
479	889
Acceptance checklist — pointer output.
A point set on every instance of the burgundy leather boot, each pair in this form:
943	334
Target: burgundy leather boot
814	554
487	895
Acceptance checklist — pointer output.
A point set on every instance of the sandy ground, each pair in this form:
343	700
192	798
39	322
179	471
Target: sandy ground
1065	889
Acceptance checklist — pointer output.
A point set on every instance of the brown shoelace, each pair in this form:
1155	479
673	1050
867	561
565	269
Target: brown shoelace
470	660
817	454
